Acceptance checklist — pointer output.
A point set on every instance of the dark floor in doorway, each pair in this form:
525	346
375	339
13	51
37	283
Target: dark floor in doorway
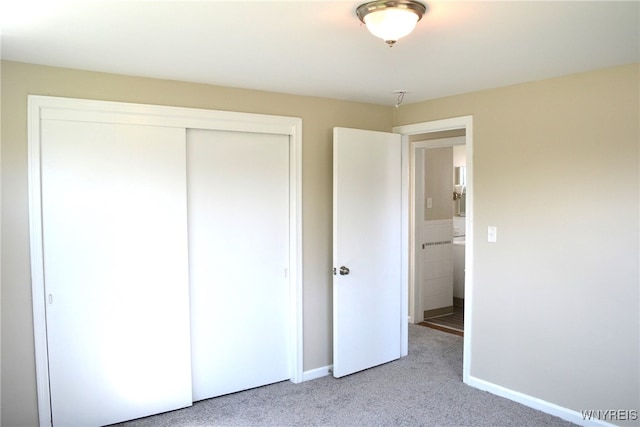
452	323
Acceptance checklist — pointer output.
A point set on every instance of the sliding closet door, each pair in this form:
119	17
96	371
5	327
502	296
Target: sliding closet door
238	192
115	270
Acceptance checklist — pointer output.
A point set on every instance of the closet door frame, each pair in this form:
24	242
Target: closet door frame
46	107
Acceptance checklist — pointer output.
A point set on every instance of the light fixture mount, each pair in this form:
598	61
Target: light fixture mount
391	19
400	96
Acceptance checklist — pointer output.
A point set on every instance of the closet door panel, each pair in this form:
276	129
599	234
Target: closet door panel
238	193
116	270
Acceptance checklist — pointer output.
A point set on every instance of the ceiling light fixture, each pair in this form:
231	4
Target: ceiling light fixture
391	20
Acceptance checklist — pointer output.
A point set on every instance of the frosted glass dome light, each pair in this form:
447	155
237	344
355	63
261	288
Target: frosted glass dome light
391	20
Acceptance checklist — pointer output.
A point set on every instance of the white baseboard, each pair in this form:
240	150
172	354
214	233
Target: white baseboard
535	403
316	373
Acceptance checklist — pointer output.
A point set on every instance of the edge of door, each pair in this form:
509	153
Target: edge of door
40	107
462	122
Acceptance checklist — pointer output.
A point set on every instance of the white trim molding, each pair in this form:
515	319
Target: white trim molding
535	403
314	374
45	107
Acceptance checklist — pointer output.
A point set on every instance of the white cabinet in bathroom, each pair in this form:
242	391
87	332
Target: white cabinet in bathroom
458	267
459	249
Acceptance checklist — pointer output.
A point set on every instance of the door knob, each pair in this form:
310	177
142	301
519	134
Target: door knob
344	271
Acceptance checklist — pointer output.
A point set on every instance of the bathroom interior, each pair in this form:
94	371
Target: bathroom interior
440	231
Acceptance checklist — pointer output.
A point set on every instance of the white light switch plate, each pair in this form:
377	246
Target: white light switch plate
492	234
429	202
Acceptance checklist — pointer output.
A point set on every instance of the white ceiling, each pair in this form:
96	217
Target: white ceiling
319	48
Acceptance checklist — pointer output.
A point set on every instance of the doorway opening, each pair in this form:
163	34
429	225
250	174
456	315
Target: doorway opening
417	137
439	233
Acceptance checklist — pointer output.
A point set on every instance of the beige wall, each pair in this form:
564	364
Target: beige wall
319	117
459	156
438	183
556	299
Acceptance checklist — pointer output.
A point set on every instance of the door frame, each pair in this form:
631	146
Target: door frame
46	107
409	223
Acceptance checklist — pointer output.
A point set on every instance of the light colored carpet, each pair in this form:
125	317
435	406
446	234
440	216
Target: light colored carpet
423	389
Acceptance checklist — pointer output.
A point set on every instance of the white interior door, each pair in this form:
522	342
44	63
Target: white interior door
367	231
115	270
238	186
